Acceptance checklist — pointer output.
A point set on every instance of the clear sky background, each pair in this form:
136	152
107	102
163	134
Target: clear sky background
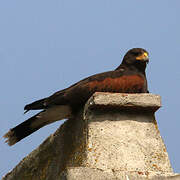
46	46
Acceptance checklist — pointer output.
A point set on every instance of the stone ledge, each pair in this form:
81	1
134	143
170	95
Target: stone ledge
124	101
84	173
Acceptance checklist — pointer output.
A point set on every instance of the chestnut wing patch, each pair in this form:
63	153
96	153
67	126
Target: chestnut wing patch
123	84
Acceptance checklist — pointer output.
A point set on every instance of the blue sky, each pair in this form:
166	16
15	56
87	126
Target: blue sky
46	46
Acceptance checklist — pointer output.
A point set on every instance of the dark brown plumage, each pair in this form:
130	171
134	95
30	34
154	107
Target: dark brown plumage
129	77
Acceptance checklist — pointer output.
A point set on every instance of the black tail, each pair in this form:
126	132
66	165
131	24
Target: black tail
36	122
22	130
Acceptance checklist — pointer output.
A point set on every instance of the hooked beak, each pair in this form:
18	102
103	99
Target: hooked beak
143	57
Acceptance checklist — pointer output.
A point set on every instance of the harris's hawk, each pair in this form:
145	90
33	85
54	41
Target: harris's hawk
129	77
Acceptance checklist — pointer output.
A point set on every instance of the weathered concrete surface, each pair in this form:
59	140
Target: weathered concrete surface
120	101
121	140
116	135
52	156
84	173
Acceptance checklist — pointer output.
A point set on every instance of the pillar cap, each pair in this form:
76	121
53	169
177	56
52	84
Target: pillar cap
125	101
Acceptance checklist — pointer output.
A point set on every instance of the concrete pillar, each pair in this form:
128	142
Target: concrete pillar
114	137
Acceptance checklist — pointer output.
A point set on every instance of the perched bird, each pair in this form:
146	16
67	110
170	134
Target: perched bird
129	77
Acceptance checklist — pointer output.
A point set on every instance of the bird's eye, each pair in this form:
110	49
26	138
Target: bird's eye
136	53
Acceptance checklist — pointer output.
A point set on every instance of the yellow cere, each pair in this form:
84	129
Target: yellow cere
143	56
146	54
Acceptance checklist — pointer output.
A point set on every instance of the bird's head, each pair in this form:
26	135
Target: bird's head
137	57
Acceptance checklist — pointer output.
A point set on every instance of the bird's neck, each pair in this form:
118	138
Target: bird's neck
140	66
136	68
